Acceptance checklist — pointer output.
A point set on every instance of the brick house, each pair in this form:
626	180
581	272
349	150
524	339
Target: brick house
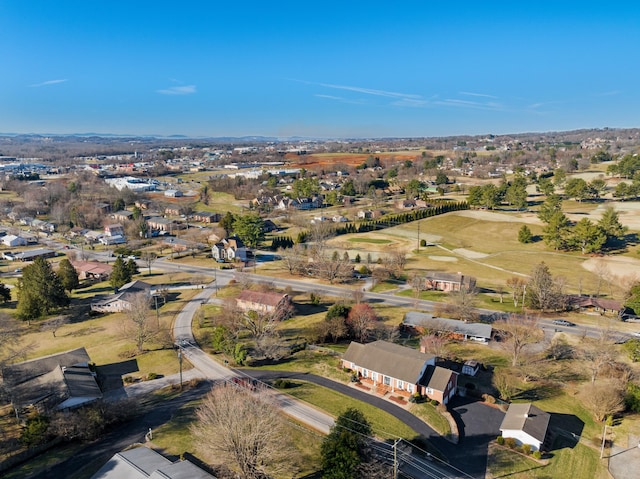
392	368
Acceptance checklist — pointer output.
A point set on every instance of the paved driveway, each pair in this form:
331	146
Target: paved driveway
479	424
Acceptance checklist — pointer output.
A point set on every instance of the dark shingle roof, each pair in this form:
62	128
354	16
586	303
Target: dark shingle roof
389	359
436	378
27	370
527	418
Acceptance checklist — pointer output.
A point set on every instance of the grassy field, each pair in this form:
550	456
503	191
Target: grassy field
174	438
104	337
579	462
384	425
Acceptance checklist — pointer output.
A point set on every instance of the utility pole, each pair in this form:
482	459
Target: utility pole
395	458
180	360
418	237
155	296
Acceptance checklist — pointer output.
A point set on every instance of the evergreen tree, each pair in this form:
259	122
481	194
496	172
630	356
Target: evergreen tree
40	291
5	293
524	235
250	229
132	268
345	448
227	222
610	224
68	275
120	274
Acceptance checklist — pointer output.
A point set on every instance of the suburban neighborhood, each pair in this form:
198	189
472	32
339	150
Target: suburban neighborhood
475	326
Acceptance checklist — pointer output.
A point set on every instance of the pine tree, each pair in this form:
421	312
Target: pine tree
40	291
68	275
120	274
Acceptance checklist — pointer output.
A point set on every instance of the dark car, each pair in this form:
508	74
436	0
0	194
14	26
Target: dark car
563	322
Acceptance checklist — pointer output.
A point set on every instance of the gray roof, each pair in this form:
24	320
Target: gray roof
416	319
60	380
142	463
27	370
389	359
527	418
436	378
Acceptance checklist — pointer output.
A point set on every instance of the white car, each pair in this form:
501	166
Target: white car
636	334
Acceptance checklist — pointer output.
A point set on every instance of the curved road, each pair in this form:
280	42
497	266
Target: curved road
472	462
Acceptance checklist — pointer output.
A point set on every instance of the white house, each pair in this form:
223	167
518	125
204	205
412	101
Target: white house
527	425
13	241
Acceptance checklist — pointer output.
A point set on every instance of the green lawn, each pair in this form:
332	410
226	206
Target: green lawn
580	462
369	240
429	414
384	425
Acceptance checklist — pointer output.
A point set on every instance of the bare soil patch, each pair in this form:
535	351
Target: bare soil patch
619	266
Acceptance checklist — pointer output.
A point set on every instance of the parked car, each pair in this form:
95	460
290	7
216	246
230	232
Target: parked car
636	334
562	322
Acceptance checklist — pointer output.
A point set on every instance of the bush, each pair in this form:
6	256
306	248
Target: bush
282	383
35	431
488	398
152	376
129	379
632	397
423	242
526	449
500	440
314	298
510	442
240	354
537	455
433	402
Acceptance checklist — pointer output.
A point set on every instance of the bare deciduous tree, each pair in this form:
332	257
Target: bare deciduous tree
602	399
54	324
505	383
149	257
519	332
246	428
137	323
435	344
597	353
516	285
463	304
361	321
294	258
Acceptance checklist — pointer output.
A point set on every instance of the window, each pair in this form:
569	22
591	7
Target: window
429	390
386	380
374	376
365	373
400	384
410	388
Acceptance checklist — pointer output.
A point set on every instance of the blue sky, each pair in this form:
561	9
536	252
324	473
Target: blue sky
321	69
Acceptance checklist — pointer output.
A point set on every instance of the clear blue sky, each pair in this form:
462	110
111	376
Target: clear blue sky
323	69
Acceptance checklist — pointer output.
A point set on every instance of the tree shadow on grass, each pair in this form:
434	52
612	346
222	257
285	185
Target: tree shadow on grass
537	393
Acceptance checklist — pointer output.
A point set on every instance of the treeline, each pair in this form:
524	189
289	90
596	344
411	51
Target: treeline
440	207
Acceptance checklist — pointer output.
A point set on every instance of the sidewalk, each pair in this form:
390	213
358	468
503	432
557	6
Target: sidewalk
624	457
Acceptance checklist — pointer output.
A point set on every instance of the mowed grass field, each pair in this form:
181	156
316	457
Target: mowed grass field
104	335
476	243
